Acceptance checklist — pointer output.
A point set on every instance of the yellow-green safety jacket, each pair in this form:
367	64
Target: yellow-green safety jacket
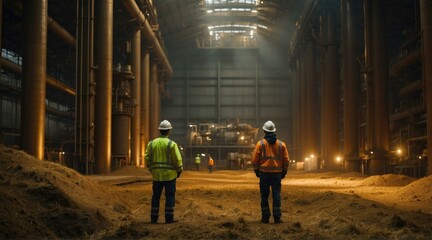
163	158
197	160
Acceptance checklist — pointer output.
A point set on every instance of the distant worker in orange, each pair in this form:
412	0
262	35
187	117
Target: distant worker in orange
210	163
270	161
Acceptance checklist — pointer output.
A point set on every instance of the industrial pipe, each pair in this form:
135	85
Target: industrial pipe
407	113
426	27
145	100
330	105
15	68
351	49
154	99
51	23
411	88
61	32
103	58
402	63
33	82
149	35
136	96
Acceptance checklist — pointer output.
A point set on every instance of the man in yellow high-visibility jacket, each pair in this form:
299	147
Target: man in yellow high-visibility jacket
197	161
270	162
164	161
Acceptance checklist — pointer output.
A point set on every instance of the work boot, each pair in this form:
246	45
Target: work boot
278	220
265	220
153	220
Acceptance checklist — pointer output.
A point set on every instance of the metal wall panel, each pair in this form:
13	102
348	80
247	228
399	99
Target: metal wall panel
228	87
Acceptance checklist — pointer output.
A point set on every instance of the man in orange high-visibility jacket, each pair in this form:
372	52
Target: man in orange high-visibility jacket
210	163
270	162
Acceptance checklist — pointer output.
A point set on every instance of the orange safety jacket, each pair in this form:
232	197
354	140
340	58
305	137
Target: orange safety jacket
270	157
210	162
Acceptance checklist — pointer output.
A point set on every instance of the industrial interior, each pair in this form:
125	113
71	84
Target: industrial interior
347	83
85	84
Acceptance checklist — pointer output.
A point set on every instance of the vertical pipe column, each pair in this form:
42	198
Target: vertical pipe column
311	102
35	15
1	26
154	98
324	74
368	78
330	107
145	101
103	101
351	49
377	78
218	90
296	110
426	26
136	98
302	99
256	92
380	89
85	87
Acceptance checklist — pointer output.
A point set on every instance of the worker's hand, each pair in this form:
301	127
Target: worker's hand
283	174
257	173
178	174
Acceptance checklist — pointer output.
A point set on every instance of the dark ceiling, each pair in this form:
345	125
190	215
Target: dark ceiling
181	22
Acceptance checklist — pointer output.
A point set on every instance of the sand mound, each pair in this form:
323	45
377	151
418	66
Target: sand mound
47	200
388	180
130	171
421	190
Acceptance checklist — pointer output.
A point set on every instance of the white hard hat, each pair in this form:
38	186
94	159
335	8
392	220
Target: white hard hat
165	125
269	127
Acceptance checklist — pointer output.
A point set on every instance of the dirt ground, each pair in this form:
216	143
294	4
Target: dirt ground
40	199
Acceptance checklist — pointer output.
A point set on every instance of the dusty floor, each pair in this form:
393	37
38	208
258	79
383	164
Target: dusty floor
45	200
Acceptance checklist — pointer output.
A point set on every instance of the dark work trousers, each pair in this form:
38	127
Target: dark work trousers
170	189
273	181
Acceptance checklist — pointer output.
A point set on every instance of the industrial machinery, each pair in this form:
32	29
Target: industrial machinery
121	119
231	142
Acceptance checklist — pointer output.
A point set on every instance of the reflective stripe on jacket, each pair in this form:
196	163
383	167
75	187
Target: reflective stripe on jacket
270	157
163	158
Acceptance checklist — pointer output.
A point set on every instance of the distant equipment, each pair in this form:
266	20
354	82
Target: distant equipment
235	140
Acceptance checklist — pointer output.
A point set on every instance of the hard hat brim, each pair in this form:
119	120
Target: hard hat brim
267	130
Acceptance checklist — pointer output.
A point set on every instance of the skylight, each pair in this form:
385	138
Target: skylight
215	2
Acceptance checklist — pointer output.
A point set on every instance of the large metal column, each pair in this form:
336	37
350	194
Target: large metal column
311	141
330	95
154	101
380	59
145	101
296	134
103	103
426	26
85	87
1	25
150	36
136	98
351	50
33	83
376	60
302	100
